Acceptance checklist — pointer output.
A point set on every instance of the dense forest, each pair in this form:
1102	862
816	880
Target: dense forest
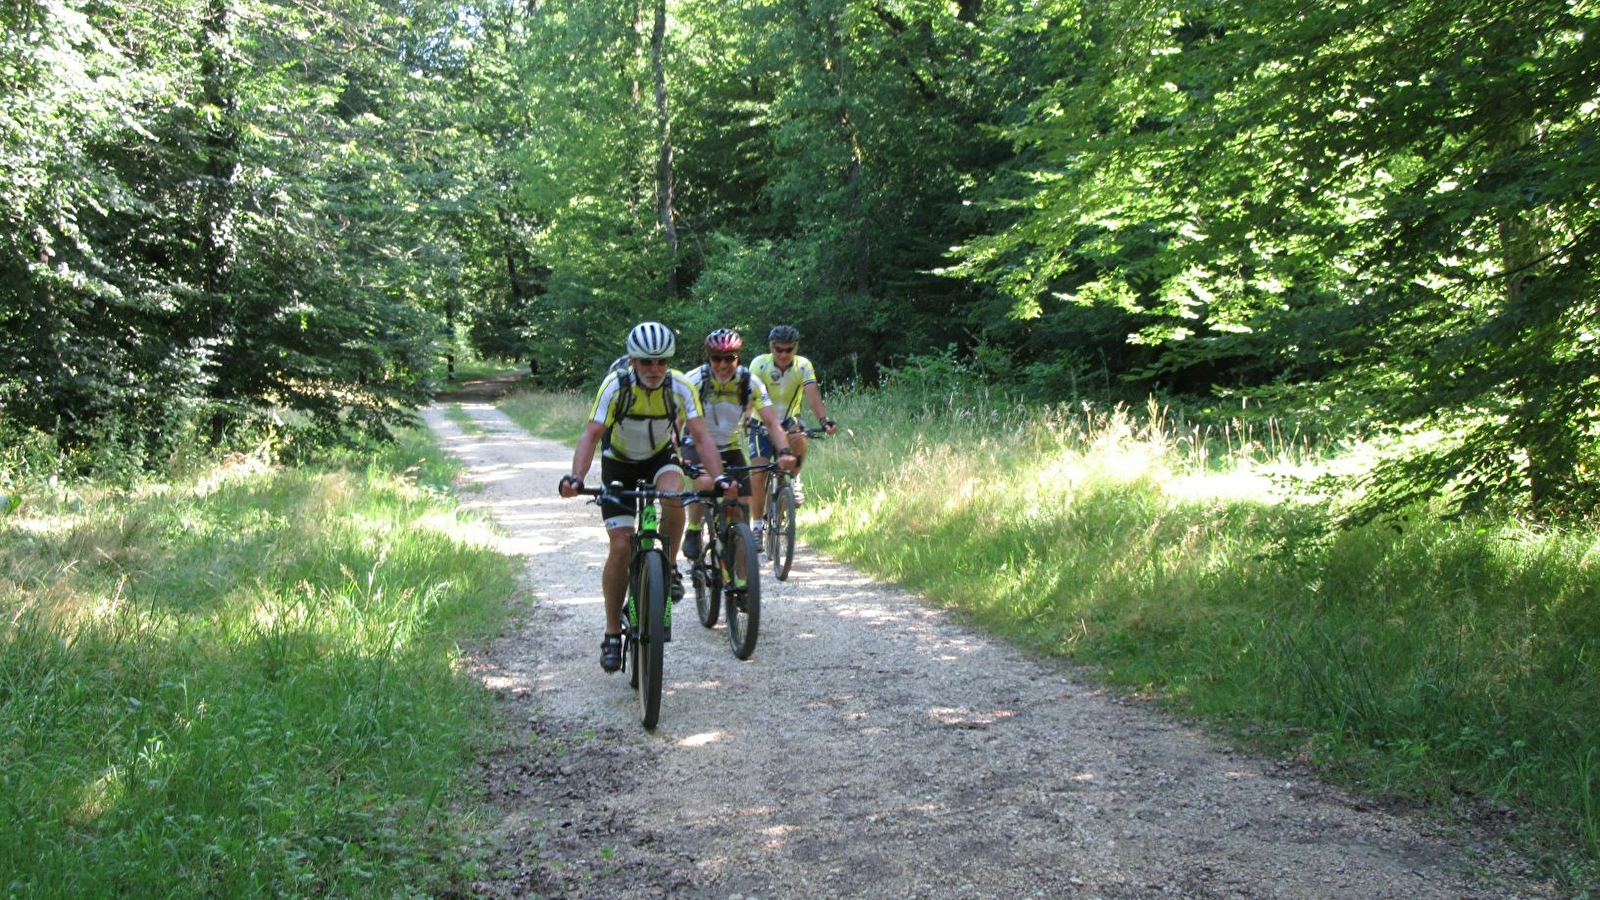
224	215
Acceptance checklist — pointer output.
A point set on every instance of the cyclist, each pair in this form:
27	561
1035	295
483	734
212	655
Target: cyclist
634	423
728	395
788	376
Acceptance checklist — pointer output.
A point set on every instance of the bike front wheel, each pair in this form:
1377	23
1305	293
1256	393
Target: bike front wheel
651	642
742	589
780	532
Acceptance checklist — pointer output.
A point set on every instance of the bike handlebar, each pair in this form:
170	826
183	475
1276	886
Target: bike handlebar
762	467
615	489
757	429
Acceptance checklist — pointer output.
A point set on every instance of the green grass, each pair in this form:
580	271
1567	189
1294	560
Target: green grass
471	368
247	685
1452	664
462	419
560	416
1443	662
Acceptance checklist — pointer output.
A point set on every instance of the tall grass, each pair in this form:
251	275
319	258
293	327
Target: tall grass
558	415
1445	661
246	685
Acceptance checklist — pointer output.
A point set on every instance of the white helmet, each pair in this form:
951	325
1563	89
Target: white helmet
651	340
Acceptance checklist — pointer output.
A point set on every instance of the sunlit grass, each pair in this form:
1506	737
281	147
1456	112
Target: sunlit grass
247	685
472	368
462	419
1444	661
559	416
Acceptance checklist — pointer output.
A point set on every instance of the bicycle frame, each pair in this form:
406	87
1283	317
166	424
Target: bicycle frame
776	515
727	572
646	609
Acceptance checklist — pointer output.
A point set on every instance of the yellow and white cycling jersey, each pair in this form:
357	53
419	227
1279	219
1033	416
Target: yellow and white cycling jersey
724	406
786	387
641	425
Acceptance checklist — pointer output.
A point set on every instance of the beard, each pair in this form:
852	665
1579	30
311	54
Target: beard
651	380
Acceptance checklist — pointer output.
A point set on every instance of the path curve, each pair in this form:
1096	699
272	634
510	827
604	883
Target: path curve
873	748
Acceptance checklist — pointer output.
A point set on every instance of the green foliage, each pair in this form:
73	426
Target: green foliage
195	240
1372	208
245	685
1374	215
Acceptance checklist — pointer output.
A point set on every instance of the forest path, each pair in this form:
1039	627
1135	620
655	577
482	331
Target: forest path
872	748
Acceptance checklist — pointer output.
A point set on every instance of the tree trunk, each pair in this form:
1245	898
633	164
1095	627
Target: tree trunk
669	227
1548	432
215	211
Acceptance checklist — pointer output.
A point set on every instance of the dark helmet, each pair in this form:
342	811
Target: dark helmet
724	340
784	334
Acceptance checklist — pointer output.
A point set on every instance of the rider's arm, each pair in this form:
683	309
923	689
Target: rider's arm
583	453
769	417
814	400
711	460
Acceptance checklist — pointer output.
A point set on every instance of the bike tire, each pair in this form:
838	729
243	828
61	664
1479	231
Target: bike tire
630	618
652	635
702	573
780	532
743	605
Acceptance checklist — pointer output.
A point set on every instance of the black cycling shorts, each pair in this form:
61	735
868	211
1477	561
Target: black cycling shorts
763	444
629	472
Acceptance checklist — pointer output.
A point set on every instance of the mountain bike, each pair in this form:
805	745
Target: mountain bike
727	574
777	518
646	612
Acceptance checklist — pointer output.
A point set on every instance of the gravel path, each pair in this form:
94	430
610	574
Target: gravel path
874	748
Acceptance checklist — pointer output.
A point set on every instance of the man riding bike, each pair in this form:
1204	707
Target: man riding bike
728	394
788	377
634	424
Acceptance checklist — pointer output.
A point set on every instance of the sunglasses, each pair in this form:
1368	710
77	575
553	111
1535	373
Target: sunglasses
724	358
650	363
788	349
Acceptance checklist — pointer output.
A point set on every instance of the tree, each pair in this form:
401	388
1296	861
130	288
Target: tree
1374	205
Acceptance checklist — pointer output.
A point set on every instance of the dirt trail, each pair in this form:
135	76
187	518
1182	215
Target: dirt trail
874	748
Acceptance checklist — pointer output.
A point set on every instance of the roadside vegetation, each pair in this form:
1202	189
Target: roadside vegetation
1446	661
1443	662
557	415
245	682
470	367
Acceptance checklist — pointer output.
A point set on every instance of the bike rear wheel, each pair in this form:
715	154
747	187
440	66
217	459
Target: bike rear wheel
650	645
743	589
707	588
780	531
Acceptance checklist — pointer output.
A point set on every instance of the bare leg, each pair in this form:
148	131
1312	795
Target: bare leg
614	577
758	488
671	515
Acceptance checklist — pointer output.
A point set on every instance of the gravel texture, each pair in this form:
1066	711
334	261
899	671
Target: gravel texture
875	748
